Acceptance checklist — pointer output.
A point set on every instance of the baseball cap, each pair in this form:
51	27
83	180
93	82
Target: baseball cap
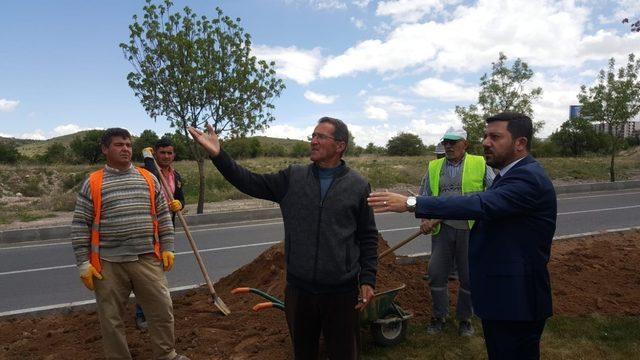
455	134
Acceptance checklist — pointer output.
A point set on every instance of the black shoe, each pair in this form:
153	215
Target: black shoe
141	323
465	329
436	326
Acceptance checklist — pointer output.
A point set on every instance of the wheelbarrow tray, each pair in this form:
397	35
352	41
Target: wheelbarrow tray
382	306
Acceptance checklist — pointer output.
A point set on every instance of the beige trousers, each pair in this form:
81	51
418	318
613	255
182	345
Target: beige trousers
148	282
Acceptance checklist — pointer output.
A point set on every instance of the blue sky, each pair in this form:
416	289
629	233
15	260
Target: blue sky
382	66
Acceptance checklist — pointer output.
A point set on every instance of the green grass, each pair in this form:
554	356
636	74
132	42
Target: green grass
590	337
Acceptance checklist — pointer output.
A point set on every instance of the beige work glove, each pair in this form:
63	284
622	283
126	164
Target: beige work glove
87	273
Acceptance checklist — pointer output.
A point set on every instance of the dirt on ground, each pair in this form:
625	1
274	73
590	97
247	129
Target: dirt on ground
594	274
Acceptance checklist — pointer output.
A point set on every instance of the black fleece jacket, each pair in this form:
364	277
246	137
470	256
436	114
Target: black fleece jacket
331	244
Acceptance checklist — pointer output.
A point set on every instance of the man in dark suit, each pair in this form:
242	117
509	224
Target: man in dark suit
509	244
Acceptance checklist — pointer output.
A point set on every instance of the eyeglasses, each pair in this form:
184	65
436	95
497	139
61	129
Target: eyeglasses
321	137
449	142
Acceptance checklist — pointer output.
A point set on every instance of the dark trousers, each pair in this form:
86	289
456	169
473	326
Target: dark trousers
332	314
513	339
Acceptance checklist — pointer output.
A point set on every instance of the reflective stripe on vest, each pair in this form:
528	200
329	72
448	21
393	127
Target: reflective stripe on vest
473	172
95	186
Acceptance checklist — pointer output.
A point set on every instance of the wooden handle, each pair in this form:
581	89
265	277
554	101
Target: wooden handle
400	244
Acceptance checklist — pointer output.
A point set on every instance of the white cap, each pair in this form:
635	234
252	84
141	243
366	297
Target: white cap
455	134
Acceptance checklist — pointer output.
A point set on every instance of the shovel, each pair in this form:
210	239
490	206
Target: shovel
217	301
399	245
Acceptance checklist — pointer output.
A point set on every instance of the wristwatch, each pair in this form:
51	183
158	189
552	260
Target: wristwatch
411	203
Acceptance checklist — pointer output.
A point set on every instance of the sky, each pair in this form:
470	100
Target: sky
383	67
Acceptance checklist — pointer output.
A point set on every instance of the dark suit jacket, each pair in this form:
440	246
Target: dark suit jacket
510	243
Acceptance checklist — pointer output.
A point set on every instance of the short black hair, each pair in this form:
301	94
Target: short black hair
519	125
341	131
163	142
111	133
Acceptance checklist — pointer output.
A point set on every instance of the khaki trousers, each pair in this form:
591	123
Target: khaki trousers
148	282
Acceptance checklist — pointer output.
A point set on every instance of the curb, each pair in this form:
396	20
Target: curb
63	232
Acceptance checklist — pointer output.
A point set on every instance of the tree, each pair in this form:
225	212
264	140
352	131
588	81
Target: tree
56	153
373	149
577	136
614	100
405	144
300	149
147	138
504	90
87	147
196	71
243	147
8	153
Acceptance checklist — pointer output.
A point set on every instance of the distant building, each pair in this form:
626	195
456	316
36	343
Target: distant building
631	128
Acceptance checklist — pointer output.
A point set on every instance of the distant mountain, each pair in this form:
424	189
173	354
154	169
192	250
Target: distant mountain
39	147
30	147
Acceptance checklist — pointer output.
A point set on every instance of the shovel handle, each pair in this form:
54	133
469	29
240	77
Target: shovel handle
400	244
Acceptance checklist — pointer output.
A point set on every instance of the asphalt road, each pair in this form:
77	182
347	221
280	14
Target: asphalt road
44	274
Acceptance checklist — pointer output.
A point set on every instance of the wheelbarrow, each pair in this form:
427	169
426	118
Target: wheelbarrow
387	321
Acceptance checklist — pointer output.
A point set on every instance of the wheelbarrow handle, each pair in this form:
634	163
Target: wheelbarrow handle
267	305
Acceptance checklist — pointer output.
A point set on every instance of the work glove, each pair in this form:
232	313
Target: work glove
167	260
147	152
175	205
87	273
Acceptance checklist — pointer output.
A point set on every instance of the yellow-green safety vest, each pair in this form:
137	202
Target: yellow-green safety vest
473	171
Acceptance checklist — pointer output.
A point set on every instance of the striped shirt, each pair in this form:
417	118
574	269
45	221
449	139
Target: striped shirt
126	225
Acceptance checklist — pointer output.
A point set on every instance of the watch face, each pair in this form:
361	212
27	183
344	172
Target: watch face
411	201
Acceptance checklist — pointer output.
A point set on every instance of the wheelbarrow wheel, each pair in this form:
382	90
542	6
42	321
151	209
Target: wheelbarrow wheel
391	333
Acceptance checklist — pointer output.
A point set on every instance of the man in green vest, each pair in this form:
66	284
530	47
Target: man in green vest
458	173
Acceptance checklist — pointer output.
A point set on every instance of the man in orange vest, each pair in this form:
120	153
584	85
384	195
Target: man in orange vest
122	237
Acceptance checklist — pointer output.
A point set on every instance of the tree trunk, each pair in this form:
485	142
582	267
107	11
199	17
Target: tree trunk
612	171
200	186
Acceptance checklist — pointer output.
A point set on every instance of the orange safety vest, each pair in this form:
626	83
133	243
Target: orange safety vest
95	185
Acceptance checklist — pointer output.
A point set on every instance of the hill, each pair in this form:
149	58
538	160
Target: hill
39	147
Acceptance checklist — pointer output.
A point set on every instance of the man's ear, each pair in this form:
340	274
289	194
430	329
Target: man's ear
104	150
521	144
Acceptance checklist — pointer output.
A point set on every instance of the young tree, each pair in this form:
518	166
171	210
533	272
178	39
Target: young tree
614	100
504	90
195	71
87	147
405	144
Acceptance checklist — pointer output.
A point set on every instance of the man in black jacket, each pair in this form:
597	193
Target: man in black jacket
330	238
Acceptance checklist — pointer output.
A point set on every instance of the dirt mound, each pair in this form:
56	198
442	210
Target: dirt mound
596	274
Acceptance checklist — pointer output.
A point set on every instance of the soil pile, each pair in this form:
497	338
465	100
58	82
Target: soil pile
596	274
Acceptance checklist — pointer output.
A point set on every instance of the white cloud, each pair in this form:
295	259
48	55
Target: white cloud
382	107
553	107
431	126
8	105
358	23
361	3
288	131
35	135
552	36
445	90
318	98
376	113
589	73
328	4
411	10
296	64
68	129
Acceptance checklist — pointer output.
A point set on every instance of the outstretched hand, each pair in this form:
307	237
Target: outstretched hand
387	201
208	140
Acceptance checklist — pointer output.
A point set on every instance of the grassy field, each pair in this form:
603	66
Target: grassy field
53	188
592	337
